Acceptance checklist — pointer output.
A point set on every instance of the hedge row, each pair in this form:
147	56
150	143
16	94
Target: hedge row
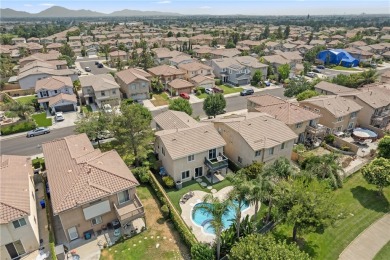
185	233
17	128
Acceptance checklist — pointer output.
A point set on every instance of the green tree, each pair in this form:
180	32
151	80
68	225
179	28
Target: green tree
266	32
368	76
132	130
311	54
307	94
260	190
170	34
284	71
378	173
202	251
156	85
259	247
279	33
325	167
257	78
306	67
384	147
23	111
180	104
230	44
94	125
146	59
297	86
66	50
216	210
286	31
252	171
69	60
214	104
105	49
214	43
306	205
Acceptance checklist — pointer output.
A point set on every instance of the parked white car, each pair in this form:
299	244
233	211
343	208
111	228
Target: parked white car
107	108
59	116
209	91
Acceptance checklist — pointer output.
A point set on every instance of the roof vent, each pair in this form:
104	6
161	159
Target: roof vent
69	171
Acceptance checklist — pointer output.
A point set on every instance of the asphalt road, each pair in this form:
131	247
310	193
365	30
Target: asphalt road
21	145
94	69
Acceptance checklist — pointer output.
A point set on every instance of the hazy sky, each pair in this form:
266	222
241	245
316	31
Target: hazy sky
215	7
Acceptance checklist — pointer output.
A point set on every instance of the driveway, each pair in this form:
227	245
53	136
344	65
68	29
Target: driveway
70	119
94	69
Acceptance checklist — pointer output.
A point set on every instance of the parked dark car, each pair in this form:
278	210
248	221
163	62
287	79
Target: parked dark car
247	92
316	71
217	90
321	67
100	65
96	62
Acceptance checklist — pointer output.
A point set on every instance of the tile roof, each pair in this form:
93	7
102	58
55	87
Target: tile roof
174	120
181	58
180	143
200	78
180	83
336	105
41	70
266	100
54	55
79	174
165	70
130	75
15	194
53	83
375	95
334	88
194	66
291	55
260	130
276	59
99	82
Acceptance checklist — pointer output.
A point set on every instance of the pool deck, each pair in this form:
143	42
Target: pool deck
197	198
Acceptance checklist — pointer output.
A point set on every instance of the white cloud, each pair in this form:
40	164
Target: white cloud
47	4
27	5
205	7
163	2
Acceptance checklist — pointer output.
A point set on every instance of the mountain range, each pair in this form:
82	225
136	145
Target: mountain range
58	11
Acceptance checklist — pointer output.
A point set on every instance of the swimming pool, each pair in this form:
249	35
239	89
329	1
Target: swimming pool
201	218
364	133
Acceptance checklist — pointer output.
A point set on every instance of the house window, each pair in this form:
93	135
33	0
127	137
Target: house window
123	196
257	153
340	119
191	157
353	115
96	220
19	223
15	249
185	174
212	153
89	90
55	91
133	86
338	129
198	172
162	151
350	125
239	159
283	145
103	93
271	151
114	92
299	125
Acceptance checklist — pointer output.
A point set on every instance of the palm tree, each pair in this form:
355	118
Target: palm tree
23	111
368	76
239	194
217	210
260	190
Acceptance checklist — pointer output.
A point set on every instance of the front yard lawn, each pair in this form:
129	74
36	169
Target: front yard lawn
42	120
175	195
361	206
160	99
384	253
160	240
26	100
86	109
343	68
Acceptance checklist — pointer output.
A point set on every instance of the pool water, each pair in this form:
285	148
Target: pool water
203	219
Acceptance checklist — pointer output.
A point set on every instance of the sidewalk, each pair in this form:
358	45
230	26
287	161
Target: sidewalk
369	242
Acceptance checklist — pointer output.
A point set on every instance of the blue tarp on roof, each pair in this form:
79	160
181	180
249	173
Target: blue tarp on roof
338	57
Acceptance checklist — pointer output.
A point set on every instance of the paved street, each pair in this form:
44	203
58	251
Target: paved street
94	69
21	145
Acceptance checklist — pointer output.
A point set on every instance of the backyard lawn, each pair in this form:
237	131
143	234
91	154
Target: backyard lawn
42	120
160	240
343	68
26	100
384	254
160	99
175	195
361	206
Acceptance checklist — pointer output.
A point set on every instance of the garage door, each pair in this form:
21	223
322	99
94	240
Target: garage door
64	108
139	97
184	90
243	82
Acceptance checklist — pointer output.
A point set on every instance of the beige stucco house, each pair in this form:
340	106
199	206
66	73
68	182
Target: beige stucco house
338	113
18	212
188	149
89	188
134	83
100	89
194	69
255	137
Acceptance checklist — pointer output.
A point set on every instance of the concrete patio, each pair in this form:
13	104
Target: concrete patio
188	206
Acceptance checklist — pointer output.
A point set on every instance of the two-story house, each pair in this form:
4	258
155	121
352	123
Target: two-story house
255	137
166	73
18	212
89	189
337	113
134	83
303	122
194	69
188	149
56	93
100	89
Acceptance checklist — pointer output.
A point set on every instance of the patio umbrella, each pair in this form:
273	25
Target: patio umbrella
360	134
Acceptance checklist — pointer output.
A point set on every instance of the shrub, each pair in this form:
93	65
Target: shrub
201	251
37	164
142	174
218	82
43	166
128	101
198	92
18	128
299	148
165	211
329	139
168	181
201	89
345	148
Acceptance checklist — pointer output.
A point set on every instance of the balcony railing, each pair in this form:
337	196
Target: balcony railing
130	211
216	164
316	129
